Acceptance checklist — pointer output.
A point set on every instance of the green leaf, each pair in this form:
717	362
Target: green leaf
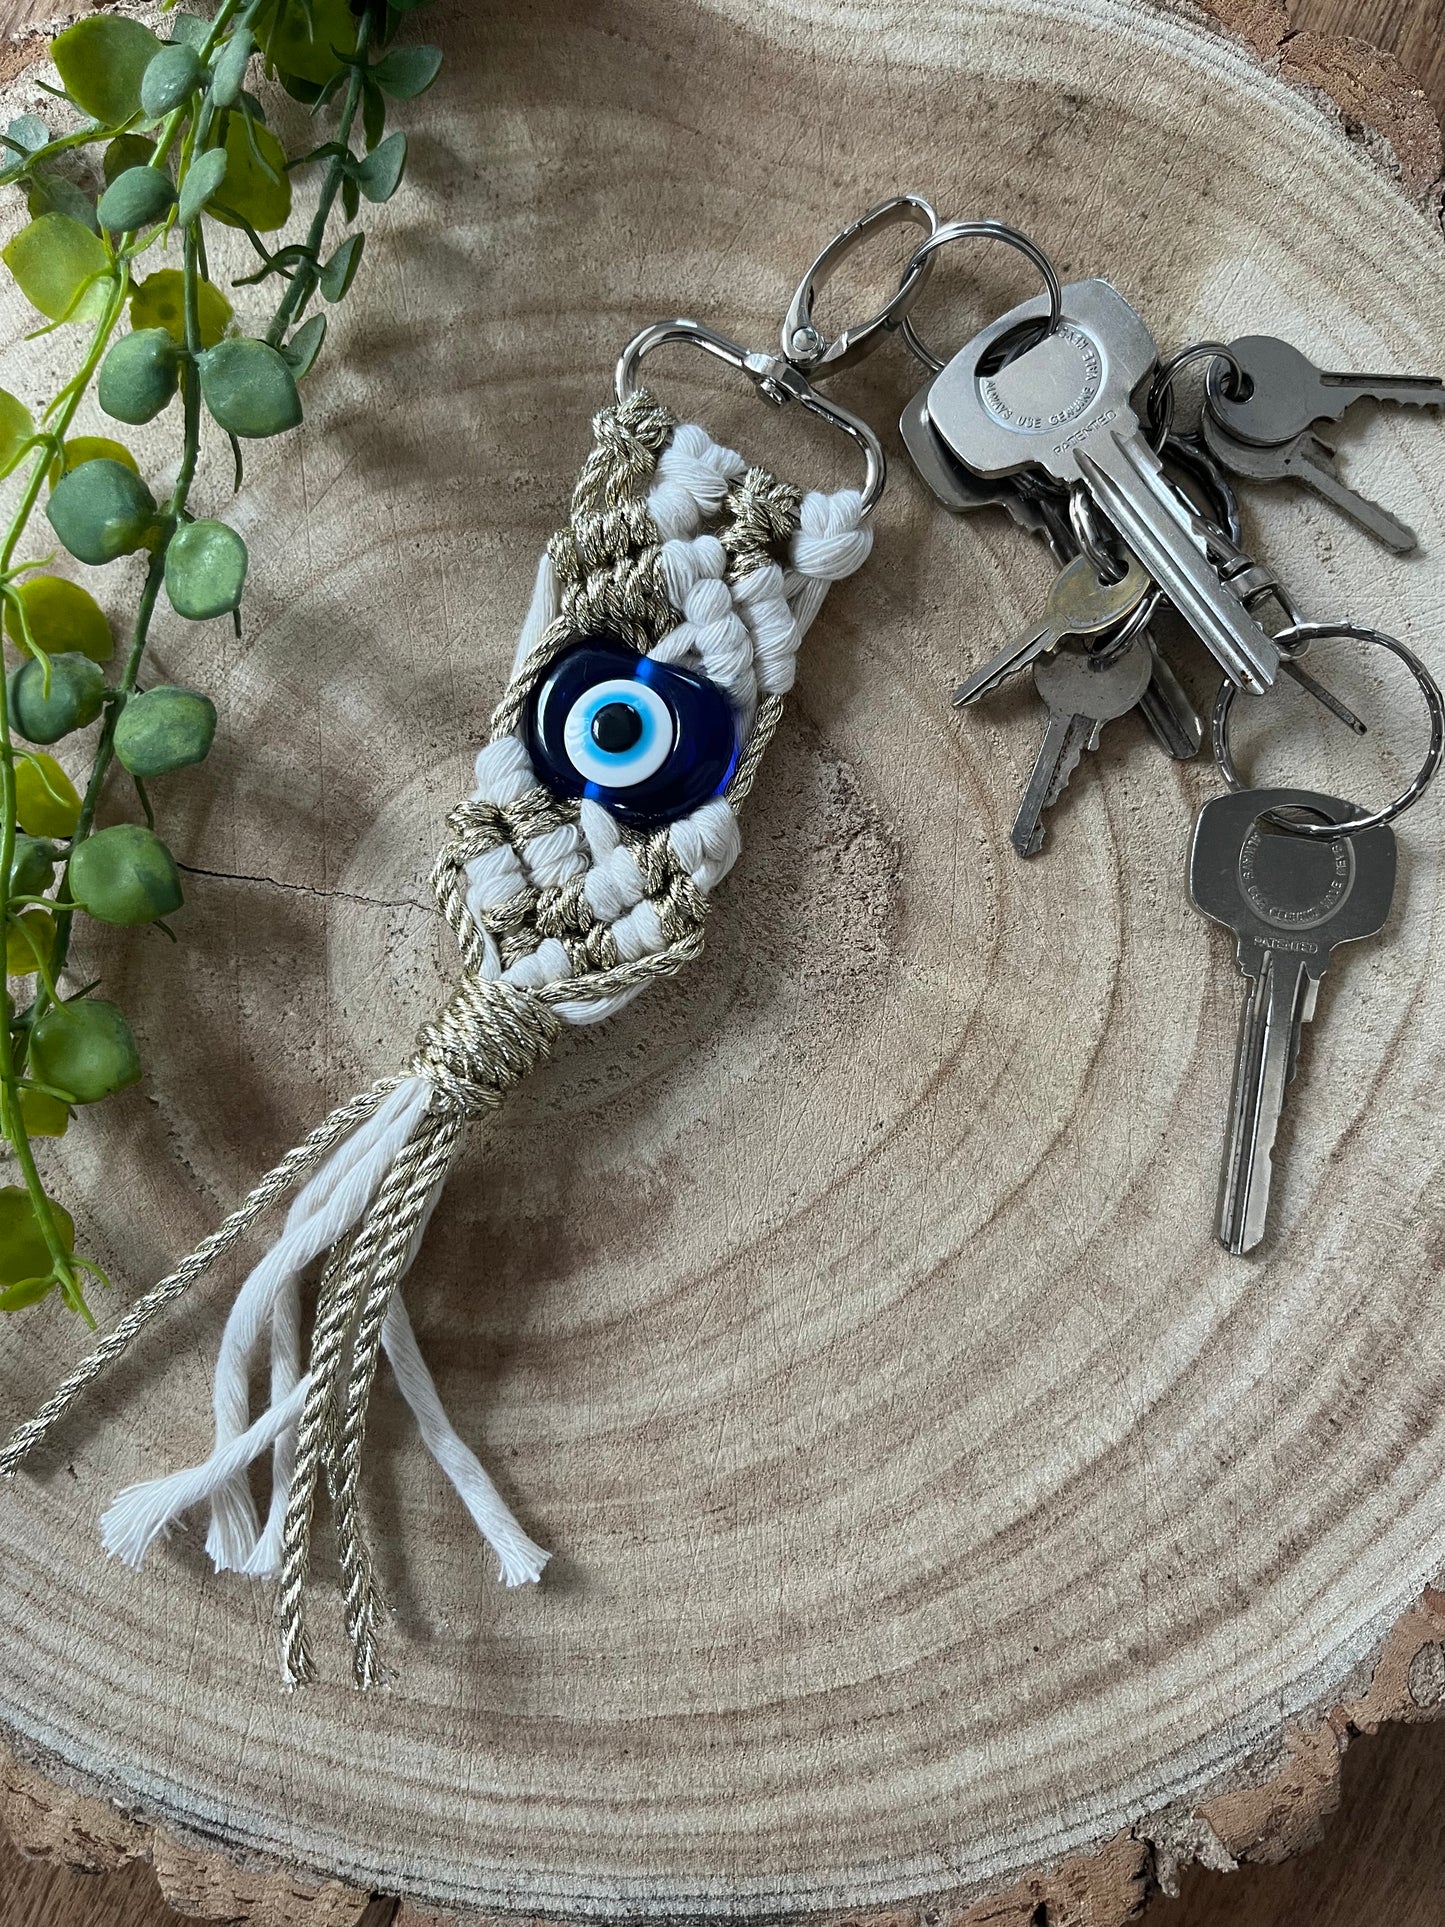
101	511
189	30
139	375
84	1048
160	302
170	80
29	132
167	728
77	690
91	448
308	38
202	178
16	428
32	865
56	261
122	875
373	115
249	388
126	150
405	72
378	175
25	1258
54	193
138	198
46	801
305	345
29	937
101	60
60	615
340	271
350	197
228	76
258	188
205	570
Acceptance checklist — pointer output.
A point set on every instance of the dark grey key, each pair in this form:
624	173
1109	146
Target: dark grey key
1291	901
1080	603
1310	462
1286	393
1065	405
1081	694
1173	721
962	492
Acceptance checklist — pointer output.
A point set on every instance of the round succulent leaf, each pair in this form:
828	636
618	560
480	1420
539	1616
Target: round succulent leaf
126	150
32	865
16	429
160	302
77	690
55	262
165	729
136	199
102	61
46	801
340	271
24	1254
228	76
172	77
202	179
139	375
29	937
123	875
249	388
100	511
258	188
51	192
305	345
205	570
93	448
43	1115
405	72
85	1049
60	615
378	174
28	131
308	38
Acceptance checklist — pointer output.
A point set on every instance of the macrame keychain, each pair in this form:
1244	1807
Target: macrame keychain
649	678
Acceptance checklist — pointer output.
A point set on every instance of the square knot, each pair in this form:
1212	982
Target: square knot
484	1039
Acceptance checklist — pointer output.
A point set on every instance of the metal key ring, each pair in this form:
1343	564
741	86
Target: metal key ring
804	344
1159	403
776	380
980	231
1303	633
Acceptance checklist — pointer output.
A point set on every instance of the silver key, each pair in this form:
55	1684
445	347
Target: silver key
1080	603
1064	405
962	492
1311	462
1287	393
1173	721
1081	694
1290	901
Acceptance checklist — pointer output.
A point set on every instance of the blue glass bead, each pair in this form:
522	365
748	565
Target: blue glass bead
645	739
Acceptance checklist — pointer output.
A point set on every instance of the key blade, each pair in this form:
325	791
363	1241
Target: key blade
1404	391
1312	462
1015	656
1065	740
1127	480
1278	1005
1170	717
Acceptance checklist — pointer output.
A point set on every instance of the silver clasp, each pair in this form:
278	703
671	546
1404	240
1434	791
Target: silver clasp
788	377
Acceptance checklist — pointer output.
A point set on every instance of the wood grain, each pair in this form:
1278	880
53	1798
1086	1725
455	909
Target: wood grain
807	1620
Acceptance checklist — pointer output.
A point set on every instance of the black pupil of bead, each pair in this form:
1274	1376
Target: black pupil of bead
616	727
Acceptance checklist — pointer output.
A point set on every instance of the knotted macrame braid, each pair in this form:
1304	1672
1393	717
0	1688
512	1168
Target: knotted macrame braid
559	917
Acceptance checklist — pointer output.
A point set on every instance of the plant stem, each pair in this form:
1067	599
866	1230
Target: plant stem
303	284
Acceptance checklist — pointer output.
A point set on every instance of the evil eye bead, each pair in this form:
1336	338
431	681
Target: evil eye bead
646	740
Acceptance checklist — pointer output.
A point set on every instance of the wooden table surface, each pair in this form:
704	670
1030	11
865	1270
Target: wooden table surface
1383	1859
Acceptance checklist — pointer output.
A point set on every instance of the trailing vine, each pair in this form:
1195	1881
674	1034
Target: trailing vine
171	140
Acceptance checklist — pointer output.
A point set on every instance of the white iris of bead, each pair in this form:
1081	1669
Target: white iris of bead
619	769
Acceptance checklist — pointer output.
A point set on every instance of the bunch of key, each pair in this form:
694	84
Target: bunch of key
1037	415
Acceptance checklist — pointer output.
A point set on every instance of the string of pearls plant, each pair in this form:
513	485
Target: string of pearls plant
164	139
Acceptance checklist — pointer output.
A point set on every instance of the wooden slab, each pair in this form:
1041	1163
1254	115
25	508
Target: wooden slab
943	1523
